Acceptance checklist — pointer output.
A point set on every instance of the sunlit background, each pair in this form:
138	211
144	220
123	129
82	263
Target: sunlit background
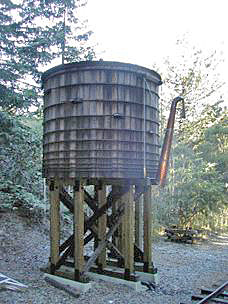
145	32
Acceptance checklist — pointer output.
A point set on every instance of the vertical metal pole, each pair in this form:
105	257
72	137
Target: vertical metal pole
144	129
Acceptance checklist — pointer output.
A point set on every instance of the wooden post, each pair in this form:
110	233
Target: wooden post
127	199
95	244
54	223
115	236
139	222
147	216
102	223
105	241
118	237
78	229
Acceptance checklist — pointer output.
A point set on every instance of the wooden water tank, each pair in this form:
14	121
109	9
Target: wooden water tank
100	121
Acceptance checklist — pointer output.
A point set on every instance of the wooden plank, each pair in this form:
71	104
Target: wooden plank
121	228
102	224
78	229
139	222
117	219
147	216
95	243
128	233
54	223
115	252
114	208
90	201
115	197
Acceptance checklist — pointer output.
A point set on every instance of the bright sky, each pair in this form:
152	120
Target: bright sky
145	31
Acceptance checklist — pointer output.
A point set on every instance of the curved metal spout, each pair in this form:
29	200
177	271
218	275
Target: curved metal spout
165	153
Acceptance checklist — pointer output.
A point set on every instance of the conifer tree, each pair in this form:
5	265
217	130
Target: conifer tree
34	33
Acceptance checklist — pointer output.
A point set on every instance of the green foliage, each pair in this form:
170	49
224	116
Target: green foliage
20	161
192	74
33	33
197	183
16	196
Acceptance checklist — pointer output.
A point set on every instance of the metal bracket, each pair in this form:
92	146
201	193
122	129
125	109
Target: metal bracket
48	91
76	100
52	186
117	115
77	186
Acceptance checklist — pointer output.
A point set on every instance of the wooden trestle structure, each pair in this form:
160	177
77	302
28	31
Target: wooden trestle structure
114	229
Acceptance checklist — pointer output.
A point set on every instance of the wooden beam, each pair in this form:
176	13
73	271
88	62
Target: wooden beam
147	216
66	199
94	222
78	229
116	253
102	224
128	223
103	243
116	194
114	208
54	223
139	222
92	203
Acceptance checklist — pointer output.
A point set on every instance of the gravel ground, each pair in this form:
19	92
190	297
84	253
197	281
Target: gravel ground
182	268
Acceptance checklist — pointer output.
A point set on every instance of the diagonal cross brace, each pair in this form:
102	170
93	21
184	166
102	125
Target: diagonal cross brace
112	197
105	241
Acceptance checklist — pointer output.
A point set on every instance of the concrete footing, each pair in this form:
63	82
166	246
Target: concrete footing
148	277
137	286
83	287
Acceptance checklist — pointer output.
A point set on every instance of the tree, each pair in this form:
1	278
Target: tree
20	161
192	74
197	181
197	178
33	34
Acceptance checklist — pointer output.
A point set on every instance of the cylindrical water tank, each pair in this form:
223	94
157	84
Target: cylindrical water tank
101	121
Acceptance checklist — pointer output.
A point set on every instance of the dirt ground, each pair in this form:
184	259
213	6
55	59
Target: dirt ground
183	268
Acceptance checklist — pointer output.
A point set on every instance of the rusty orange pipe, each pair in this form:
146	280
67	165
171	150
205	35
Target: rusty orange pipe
164	158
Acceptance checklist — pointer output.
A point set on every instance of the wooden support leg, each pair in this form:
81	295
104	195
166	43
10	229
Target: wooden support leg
95	245
117	239
78	229
54	223
128	233
116	221
102	223
147	216
115	204
139	222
